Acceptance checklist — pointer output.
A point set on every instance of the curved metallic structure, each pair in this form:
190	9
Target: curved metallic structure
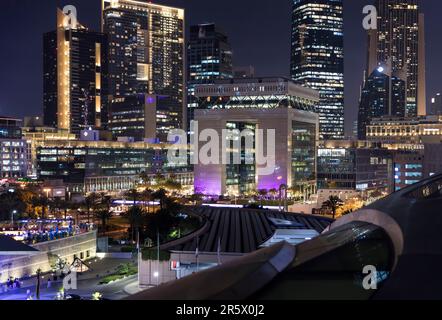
400	236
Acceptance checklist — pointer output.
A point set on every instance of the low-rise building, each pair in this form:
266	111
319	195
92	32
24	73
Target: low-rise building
406	130
18	260
106	166
14	151
354	165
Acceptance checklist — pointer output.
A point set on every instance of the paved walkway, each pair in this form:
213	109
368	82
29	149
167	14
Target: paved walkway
87	283
133	288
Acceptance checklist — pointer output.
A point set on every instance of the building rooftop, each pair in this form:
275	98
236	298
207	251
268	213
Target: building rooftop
244	230
257	86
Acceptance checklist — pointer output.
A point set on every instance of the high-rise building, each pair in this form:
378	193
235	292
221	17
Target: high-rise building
383	94
75	77
436	105
146	56
317	58
209	57
400	39
133	116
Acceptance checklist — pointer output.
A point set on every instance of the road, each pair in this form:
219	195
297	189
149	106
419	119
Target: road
87	284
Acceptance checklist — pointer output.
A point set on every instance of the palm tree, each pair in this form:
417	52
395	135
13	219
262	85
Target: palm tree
103	215
196	198
43	203
172	185
333	203
161	195
262	193
65	205
146	179
106	201
273	192
146	195
133	194
135	217
90	203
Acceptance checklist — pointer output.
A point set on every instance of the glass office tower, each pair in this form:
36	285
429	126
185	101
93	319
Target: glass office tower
317	58
209	57
146	56
383	94
400	39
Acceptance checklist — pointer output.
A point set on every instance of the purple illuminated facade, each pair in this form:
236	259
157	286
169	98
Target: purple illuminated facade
291	155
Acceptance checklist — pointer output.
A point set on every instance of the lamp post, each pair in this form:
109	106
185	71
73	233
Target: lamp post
12	217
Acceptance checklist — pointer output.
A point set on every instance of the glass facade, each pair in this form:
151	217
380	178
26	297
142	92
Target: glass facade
317	58
408	168
304	154
354	168
73	164
382	95
334	260
146	56
10	128
241	178
398	41
209	57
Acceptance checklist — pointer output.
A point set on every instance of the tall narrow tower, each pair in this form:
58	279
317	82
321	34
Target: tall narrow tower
209	58
317	59
400	39
75	75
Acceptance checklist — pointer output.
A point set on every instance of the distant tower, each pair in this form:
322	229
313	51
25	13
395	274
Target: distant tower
383	94
209	58
400	38
74	62
317	58
146	57
436	105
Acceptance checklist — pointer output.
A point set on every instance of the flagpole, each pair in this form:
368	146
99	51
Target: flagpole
138	256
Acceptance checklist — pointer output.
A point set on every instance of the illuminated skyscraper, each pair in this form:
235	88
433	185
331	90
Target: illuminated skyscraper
383	94
75	77
317	58
146	56
400	38
436	105
209	57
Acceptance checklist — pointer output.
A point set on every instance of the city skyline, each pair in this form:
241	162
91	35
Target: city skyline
22	66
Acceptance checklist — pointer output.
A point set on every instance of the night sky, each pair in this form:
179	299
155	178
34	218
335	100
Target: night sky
259	31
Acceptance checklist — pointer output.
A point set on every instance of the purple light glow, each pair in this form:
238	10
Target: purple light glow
271	182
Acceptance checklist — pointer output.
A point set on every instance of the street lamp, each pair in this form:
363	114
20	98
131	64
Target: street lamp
12	217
